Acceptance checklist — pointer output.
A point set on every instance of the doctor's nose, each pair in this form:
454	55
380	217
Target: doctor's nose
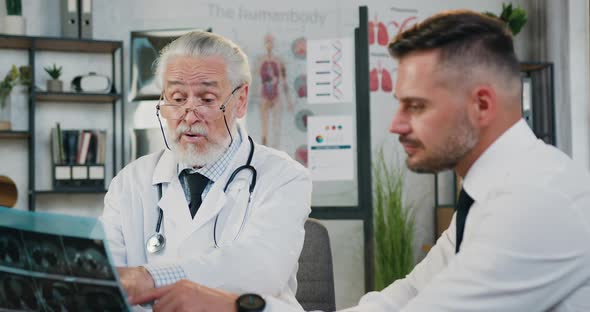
192	115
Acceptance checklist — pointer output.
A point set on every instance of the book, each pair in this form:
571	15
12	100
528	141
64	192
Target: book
61	158
84	144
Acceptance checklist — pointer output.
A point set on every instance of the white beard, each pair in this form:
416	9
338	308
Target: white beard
190	155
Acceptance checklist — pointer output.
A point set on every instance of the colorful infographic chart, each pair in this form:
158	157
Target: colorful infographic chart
331	148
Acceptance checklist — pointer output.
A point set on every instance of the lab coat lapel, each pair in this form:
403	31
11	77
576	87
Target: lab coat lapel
216	197
214	201
173	201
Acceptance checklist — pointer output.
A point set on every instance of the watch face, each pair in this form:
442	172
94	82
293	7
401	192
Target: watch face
250	302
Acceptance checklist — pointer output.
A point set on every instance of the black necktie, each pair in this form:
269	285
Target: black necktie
196	184
463	205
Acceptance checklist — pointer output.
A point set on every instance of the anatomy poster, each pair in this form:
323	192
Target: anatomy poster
384	25
275	39
330	70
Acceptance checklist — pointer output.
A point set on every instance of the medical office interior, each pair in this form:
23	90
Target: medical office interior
85	74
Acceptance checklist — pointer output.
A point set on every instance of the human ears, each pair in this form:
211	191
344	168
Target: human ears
242	101
484	105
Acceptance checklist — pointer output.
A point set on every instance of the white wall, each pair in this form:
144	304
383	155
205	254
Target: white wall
559	35
578	71
113	20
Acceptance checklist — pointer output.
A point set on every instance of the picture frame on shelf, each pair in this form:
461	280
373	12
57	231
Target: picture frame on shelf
145	49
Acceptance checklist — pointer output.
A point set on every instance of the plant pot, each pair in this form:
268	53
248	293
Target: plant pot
15	25
54	85
5	112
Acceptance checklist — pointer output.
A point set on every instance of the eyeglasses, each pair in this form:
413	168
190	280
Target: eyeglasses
207	108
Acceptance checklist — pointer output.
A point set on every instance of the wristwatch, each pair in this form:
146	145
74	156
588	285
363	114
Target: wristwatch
250	303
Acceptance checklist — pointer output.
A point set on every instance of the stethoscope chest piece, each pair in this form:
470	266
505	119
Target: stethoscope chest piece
155	243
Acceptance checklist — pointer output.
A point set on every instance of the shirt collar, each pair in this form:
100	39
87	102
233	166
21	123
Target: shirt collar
493	167
214	170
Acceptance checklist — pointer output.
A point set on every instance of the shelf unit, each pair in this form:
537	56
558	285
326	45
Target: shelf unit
33	45
14	134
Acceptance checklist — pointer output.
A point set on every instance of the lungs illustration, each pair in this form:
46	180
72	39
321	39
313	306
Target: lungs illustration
373	80
386	83
371	33
381	75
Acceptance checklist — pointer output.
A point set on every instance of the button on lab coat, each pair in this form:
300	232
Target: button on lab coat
259	244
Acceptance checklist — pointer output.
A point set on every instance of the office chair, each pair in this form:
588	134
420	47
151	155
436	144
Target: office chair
315	276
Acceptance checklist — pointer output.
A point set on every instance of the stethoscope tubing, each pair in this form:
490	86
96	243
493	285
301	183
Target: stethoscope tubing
247	166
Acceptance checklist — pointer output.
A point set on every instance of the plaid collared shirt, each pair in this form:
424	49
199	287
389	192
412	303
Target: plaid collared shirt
167	274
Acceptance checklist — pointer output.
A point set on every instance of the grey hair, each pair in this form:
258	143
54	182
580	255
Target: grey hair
205	44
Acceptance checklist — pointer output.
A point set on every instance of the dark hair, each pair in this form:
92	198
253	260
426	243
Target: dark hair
464	38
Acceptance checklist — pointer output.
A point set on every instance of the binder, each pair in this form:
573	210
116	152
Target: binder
70	21
86	19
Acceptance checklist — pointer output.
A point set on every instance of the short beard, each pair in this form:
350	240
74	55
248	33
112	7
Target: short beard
191	155
448	154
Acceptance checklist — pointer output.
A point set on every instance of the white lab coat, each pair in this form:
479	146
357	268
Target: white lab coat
264	256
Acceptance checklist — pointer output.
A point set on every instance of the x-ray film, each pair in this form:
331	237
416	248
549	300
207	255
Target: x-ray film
51	262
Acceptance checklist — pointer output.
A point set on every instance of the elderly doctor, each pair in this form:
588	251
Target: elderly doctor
215	208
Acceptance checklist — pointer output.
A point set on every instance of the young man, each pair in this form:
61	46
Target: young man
520	238
214	208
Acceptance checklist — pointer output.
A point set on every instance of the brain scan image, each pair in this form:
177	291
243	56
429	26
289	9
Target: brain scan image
87	258
17	292
12	253
100	299
44	252
57	296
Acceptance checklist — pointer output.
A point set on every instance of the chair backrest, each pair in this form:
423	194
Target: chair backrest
315	277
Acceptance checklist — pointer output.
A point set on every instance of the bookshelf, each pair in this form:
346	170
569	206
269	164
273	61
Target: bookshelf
33	44
76	97
14	134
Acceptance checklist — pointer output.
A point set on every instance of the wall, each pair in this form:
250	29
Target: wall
577	70
114	20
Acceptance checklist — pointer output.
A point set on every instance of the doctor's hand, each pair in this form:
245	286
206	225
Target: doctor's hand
135	280
185	295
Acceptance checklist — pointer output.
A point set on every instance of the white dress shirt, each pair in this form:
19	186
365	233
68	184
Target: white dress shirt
526	245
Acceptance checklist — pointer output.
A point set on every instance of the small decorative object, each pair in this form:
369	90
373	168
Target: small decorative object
8	192
14	24
92	83
54	84
26	76
6	86
515	18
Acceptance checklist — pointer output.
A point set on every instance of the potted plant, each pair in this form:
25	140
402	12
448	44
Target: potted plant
515	18
6	86
14	24
393	224
54	84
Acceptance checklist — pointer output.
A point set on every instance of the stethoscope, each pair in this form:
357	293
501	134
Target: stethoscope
157	241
